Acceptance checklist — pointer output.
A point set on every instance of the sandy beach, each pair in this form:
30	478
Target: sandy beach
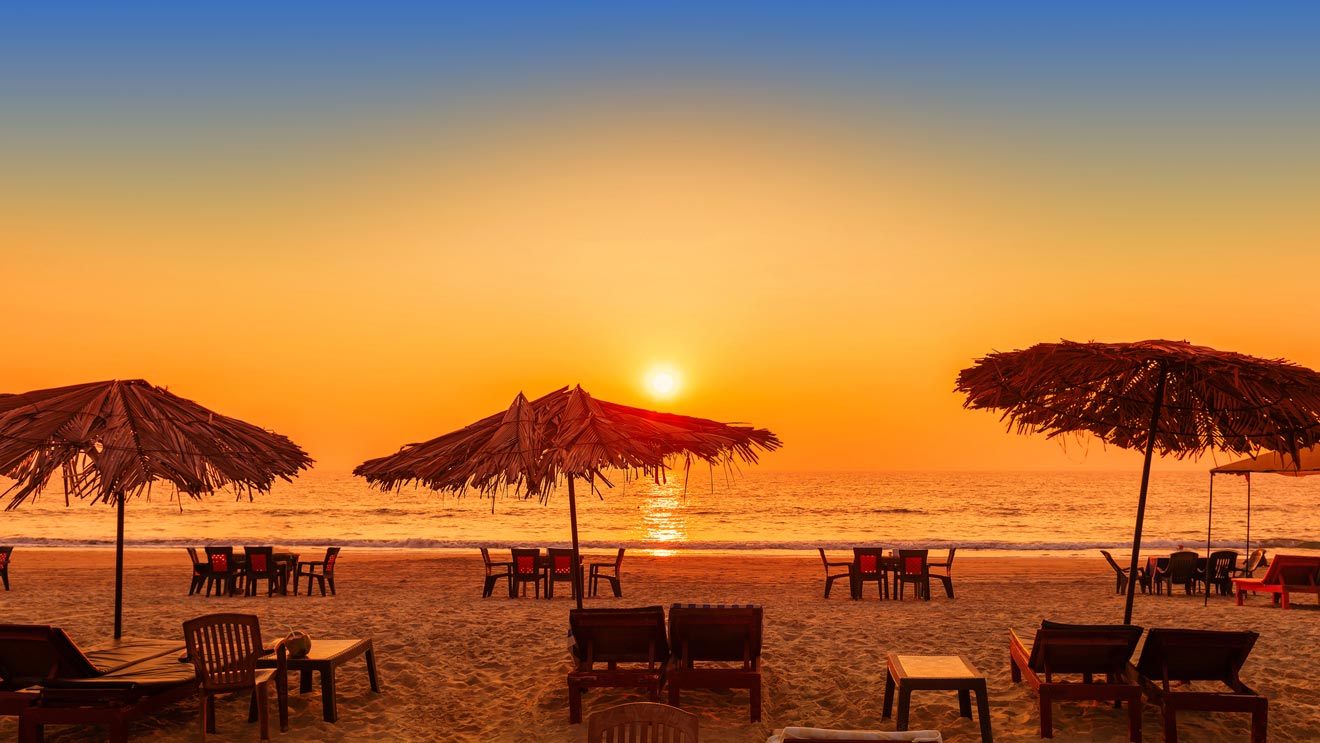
458	667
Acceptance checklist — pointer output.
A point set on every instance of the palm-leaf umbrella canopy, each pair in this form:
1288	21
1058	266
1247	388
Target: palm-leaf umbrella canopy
566	434
111	440
1171	396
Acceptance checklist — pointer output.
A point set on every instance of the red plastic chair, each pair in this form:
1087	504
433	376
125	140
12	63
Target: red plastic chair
526	569
325	575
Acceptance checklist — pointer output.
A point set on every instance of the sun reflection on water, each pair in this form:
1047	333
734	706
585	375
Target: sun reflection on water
664	520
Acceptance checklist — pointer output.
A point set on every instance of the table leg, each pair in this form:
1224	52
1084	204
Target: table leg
889	697
965	703
304	681
983	711
904	702
371	670
328	708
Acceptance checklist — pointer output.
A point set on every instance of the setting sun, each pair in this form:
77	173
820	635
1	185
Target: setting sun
662	382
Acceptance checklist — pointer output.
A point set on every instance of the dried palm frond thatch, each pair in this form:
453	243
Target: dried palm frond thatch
566	434
1170	396
111	440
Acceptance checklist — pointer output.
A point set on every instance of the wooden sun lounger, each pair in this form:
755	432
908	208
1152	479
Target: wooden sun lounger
48	680
1286	575
635	637
1184	655
716	647
1098	653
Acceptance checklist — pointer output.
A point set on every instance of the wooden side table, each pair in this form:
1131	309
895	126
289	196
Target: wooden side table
950	672
325	657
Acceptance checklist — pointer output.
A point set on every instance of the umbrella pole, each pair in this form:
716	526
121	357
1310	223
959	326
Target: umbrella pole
1141	502
119	566
1209	519
1248	516
577	560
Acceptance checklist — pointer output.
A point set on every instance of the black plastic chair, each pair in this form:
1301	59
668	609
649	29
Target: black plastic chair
321	571
526	569
947	577
224	575
868	565
494	572
1181	570
1218	572
200	571
597	574
912	569
831	577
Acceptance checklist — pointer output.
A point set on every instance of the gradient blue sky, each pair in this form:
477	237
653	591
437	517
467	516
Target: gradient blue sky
368	224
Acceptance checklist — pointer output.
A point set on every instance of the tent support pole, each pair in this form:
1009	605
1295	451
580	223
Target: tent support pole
1209	519
1248	516
1141	502
119	564
577	559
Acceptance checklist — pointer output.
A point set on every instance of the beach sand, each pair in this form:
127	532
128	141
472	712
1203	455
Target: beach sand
458	667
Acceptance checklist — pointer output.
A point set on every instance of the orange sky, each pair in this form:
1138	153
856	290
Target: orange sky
822	273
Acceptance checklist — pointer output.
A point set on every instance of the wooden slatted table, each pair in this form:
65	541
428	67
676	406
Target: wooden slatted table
325	657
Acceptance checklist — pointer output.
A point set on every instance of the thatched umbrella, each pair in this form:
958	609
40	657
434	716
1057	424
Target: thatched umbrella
567	434
111	440
1161	395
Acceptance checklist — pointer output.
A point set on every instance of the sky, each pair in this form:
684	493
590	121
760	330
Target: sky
364	225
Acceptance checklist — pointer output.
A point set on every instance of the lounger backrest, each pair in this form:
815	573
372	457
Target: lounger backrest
33	653
1195	655
703	632
619	635
1290	569
1098	649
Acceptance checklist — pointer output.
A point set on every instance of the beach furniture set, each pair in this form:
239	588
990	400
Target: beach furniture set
46	679
1178	669
1187	569
527	566
227	573
706	647
891	570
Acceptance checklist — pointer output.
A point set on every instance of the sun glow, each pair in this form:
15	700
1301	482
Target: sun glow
662	382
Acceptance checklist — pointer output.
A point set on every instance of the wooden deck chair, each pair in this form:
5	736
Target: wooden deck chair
46	679
642	722
831	577
597	574
224	649
947	565
1187	655
1286	574
630	643
715	647
494	572
1098	653
869	565
6	553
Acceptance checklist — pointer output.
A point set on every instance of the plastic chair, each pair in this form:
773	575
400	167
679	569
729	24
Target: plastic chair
912	569
642	722
224	649
947	577
1181	570
1121	575
261	565
326	574
5	554
526	569
831	577
494	571
200	571
559	569
868	565
1218	572
597	574
224	573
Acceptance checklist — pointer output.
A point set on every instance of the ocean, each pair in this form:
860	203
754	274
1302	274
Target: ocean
991	513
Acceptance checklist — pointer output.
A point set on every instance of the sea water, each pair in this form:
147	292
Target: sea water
751	511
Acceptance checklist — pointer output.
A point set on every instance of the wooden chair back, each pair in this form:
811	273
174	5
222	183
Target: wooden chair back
619	636
1086	649
224	649
1195	655
642	722
716	633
